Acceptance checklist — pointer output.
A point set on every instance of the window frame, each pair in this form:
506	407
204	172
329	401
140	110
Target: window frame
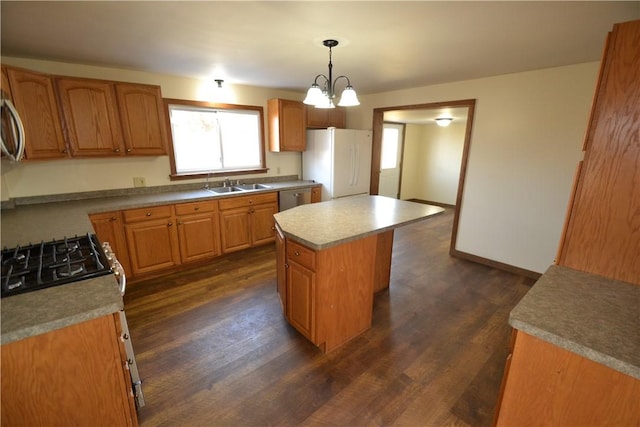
174	175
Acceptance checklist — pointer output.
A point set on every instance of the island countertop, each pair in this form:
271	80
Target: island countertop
592	316
322	225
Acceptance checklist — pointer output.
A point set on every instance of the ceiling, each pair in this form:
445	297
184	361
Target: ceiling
384	45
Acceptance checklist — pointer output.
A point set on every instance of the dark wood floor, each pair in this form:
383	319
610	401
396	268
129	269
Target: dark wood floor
214	349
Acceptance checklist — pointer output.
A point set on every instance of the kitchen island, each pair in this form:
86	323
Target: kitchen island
332	257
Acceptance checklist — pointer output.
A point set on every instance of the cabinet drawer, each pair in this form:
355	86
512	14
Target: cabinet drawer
301	255
143	214
245	201
196	207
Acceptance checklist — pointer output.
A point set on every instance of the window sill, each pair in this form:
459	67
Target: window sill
200	175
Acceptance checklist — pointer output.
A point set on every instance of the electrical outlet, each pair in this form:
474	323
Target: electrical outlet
139	181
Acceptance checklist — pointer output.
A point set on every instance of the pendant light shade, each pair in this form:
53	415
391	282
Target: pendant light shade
323	97
349	98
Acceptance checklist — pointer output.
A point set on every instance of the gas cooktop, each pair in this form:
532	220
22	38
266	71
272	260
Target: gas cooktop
46	264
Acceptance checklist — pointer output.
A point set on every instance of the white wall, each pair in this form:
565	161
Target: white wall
526	141
432	162
77	175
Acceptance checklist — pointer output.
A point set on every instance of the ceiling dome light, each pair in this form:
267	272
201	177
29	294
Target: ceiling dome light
323	98
444	121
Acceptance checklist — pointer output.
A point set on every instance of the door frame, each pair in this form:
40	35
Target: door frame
378	121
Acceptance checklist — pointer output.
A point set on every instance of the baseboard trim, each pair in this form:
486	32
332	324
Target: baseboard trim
495	264
429	202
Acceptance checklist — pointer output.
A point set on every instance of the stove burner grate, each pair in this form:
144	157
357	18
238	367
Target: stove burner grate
53	263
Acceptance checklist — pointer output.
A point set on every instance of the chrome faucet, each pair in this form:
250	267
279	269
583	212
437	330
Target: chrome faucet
227	182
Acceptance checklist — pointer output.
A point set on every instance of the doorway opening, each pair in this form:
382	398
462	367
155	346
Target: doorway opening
383	116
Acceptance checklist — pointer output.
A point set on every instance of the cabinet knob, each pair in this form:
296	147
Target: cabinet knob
296	253
117	150
180	222
148	213
128	150
113	218
170	224
250	201
197	208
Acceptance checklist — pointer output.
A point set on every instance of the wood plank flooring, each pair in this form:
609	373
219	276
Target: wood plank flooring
213	348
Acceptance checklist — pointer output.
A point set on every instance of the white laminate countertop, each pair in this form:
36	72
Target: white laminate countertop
593	316
322	225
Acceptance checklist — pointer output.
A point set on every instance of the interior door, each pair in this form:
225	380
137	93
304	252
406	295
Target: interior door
391	160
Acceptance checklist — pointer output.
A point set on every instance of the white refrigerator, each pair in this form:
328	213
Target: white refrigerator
339	159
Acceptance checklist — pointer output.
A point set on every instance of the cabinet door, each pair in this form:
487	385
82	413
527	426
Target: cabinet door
77	371
109	228
300	299
35	101
90	115
198	236
322	118
281	268
143	118
235	232
263	224
153	245
316	194
287	125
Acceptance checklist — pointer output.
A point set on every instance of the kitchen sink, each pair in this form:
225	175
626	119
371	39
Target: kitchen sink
253	186
224	189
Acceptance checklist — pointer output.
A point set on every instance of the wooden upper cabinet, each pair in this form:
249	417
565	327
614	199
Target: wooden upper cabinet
602	235
322	118
35	101
287	125
6	88
143	119
6	94
90	116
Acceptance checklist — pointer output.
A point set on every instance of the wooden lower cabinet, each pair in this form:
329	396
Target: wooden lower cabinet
152	239
316	194
109	227
157	238
72	376
247	221
198	230
547	385
301	289
329	293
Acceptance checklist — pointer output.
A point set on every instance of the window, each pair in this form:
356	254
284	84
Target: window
215	139
390	145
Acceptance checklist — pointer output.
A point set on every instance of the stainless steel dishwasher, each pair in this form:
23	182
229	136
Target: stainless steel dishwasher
288	199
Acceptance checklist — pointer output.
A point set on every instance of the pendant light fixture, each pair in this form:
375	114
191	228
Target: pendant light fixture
323	97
